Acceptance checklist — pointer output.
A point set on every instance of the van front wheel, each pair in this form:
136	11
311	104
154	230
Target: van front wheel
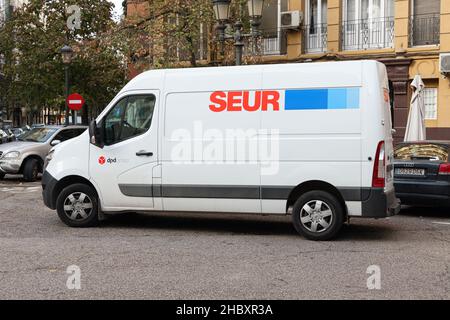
77	206
318	215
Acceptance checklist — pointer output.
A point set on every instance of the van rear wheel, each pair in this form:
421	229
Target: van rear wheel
318	215
77	206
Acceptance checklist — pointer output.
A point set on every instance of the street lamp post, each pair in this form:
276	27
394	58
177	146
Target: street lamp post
222	14
255	9
67	54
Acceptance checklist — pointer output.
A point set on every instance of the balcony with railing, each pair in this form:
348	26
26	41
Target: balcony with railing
270	42
273	42
375	33
315	37
424	29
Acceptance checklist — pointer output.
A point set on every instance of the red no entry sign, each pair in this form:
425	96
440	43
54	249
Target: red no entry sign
75	102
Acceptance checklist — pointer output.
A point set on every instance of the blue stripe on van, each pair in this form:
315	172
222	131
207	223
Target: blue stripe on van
322	99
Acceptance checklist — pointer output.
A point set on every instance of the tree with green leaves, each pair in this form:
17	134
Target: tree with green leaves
169	33
179	33
32	68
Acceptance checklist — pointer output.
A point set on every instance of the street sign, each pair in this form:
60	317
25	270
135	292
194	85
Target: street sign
75	102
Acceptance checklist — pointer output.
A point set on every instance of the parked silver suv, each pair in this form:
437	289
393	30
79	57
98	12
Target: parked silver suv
26	156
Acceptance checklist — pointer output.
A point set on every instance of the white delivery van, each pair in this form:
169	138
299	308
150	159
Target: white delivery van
312	140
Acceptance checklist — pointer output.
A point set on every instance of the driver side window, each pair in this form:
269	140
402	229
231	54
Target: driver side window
130	117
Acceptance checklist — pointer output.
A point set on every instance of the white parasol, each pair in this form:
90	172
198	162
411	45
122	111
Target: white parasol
415	128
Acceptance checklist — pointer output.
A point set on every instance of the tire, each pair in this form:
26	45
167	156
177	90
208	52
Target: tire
314	224
31	170
77	206
2	175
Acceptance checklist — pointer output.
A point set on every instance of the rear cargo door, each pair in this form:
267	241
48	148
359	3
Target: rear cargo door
388	126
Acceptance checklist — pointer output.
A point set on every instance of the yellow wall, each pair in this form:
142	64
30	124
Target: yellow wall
444	83
334	23
425	60
401	26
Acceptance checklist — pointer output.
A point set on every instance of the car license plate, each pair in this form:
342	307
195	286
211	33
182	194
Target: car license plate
409	172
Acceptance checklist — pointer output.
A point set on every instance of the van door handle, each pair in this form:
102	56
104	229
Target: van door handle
144	154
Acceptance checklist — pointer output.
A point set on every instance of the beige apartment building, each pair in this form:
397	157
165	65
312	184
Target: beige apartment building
408	36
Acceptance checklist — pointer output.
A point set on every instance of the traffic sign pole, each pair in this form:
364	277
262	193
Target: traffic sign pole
66	69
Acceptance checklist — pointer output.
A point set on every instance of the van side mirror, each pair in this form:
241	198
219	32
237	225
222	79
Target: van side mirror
95	134
55	143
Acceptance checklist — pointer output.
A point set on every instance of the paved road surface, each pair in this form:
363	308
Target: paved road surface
198	256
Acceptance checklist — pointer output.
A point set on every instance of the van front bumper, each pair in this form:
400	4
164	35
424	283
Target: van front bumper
48	187
380	204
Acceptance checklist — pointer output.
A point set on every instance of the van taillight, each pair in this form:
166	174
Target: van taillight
444	169
379	168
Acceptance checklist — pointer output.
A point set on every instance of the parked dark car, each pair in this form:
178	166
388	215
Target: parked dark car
422	173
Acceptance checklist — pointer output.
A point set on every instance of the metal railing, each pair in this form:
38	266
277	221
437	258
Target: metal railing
315	37
375	33
178	51
273	42
270	42
2	16
271	45
424	29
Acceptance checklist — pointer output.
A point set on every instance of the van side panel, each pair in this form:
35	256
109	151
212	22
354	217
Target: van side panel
371	121
376	120
318	140
325	125
199	171
377	126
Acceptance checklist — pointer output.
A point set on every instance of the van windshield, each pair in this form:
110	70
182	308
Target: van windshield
38	135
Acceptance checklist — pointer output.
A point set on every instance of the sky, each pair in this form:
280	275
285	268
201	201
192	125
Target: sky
118	11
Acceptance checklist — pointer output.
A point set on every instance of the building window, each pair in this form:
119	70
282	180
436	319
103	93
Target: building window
368	24
273	38
424	23
315	29
430	97
178	50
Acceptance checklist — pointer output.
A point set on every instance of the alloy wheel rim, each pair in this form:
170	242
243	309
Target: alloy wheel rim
78	206
316	216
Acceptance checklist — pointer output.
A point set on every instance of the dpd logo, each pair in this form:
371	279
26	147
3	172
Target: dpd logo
102	160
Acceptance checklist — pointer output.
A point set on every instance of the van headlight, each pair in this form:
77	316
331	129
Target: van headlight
50	155
11	155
